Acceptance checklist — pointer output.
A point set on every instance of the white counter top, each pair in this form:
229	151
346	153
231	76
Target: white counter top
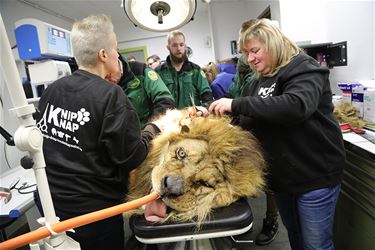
360	141
19	203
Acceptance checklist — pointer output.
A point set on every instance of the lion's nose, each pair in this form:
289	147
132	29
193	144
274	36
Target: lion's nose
172	185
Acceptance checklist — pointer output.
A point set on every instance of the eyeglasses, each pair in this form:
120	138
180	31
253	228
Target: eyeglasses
120	65
151	63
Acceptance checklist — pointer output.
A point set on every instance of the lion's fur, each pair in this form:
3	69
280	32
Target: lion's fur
222	164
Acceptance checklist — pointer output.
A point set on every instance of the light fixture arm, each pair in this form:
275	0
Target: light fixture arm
160	9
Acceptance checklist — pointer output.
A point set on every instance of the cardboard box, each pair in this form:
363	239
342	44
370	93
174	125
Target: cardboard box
347	89
369	105
357	99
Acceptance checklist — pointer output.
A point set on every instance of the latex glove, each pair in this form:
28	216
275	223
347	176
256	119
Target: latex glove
198	111
169	122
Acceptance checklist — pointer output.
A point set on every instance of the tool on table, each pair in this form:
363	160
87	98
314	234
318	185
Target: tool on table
346	127
5	192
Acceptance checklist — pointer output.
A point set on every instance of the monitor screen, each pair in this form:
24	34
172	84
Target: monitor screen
59	42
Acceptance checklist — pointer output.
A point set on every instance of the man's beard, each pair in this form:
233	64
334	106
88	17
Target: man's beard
176	59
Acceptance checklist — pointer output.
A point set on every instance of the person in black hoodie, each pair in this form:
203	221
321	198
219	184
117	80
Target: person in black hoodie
92	136
288	106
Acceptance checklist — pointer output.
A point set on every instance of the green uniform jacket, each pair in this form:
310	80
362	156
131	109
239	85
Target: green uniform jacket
190	80
146	91
242	78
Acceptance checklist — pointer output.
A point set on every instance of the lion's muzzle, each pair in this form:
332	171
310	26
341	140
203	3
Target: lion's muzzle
172	185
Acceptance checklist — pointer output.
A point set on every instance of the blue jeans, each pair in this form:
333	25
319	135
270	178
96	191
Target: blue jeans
308	217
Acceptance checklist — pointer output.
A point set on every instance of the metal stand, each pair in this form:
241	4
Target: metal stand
29	138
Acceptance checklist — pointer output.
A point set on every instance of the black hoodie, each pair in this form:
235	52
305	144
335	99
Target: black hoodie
92	141
291	115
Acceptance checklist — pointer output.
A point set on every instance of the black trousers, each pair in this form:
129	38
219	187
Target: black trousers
101	235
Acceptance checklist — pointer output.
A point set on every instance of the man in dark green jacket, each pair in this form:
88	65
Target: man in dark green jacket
182	77
145	89
242	78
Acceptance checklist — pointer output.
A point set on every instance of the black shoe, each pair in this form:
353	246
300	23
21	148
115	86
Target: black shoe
268	233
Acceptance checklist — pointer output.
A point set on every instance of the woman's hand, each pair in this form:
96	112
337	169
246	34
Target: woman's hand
221	106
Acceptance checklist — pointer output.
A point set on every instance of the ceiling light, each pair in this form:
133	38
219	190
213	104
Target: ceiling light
160	16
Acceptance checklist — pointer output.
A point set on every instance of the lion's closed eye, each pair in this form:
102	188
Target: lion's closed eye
203	183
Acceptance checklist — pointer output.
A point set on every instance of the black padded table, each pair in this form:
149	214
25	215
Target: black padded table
234	219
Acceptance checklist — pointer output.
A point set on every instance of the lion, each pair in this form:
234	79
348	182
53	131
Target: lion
196	165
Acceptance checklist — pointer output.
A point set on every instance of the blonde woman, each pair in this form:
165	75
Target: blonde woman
288	106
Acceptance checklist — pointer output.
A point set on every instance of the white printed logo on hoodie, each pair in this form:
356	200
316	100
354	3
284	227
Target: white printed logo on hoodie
63	124
266	92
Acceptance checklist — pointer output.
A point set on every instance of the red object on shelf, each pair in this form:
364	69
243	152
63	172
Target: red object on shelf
345	127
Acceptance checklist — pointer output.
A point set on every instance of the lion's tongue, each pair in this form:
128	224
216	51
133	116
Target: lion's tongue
155	211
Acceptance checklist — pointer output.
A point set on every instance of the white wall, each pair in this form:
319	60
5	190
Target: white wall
227	17
321	21
353	21
304	20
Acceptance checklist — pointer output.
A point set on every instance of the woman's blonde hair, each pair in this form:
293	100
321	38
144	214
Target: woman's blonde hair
280	48
89	36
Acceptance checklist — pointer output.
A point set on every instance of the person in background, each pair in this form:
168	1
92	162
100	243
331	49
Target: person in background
243	78
92	136
131	58
145	89
244	74
288	106
220	77
182	77
153	61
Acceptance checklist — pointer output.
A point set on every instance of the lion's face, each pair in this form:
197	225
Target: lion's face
186	178
210	164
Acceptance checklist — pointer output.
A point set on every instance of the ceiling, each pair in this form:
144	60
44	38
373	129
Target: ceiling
71	10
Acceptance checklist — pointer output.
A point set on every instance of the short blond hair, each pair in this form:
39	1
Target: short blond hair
280	48
89	36
247	24
175	33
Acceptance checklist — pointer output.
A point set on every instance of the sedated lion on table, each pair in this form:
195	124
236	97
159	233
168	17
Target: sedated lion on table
196	165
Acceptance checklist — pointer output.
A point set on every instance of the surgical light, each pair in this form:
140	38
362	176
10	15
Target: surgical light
160	16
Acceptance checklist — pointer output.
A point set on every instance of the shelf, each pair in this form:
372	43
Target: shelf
332	54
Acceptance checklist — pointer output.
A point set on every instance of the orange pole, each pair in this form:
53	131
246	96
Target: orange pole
78	221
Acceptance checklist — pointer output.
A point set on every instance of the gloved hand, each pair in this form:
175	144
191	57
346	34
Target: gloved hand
169	122
198	111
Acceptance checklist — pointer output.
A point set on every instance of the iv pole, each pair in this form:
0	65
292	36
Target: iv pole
29	138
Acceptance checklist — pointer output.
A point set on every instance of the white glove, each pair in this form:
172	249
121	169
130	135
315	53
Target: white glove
169	122
198	111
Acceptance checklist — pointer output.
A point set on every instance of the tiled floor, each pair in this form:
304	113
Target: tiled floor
281	242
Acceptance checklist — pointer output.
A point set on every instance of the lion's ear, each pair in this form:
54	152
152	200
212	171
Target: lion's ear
185	129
